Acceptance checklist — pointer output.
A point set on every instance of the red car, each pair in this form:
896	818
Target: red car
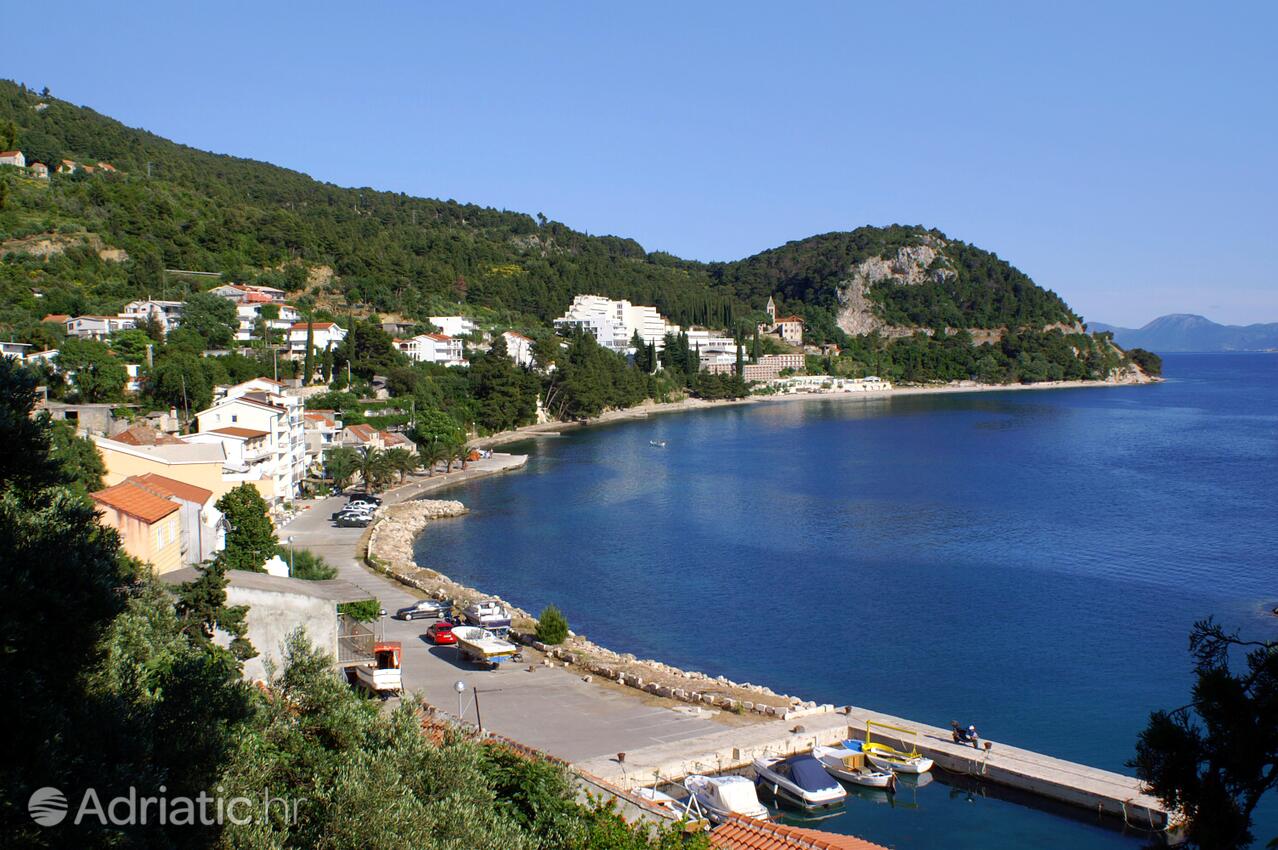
441	633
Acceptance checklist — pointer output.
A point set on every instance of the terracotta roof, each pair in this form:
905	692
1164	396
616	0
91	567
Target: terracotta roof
363	433
10	153
56	317
301	326
141	435
166	486
440	337
390	438
256	298
741	833
517	334
129	497
234	431
785	319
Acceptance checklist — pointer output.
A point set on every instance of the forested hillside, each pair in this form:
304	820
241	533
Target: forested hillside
88	242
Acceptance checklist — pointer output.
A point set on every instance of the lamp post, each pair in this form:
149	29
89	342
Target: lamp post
289	541
460	687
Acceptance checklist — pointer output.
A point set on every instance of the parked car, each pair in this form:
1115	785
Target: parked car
423	608
352	521
441	634
367	498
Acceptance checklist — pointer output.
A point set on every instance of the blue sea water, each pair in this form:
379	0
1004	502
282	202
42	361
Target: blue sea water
1031	562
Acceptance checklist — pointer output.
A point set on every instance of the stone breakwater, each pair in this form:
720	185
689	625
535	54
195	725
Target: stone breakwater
390	550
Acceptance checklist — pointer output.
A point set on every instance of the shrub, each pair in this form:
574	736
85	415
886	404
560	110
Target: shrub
307	565
364	611
552	627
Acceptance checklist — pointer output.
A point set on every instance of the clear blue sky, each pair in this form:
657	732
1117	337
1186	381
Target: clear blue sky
1123	154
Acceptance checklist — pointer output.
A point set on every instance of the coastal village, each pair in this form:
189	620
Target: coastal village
338	434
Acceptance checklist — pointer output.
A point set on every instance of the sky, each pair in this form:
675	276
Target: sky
1124	154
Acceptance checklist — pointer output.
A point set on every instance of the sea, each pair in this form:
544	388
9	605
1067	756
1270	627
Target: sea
1030	562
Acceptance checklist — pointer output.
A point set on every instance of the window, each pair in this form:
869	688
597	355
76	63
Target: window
159	537
234	418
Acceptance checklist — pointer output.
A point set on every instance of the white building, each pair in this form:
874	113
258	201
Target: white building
614	323
454	325
15	349
248	312
13	158
167	313
520	348
324	334
710	342
433	348
245	294
97	327
267	432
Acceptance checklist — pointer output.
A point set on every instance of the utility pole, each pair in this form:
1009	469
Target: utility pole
479	720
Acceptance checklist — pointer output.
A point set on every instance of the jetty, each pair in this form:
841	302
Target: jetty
1090	788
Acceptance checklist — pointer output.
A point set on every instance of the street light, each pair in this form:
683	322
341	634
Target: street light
289	541
460	687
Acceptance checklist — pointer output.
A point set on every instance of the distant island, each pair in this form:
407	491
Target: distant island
1189	332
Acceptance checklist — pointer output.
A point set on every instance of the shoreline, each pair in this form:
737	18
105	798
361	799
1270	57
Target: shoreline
651	408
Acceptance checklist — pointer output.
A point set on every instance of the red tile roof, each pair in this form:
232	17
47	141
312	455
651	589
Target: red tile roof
301	326
741	833
166	486
130	497
235	431
363	433
786	319
440	337
141	435
10	153
56	317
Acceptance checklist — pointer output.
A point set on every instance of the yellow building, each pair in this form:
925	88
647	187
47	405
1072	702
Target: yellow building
201	465
150	525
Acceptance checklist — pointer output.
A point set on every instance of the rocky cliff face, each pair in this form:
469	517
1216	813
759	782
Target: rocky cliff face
912	265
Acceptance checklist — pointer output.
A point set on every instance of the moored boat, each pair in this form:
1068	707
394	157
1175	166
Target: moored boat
687	809
720	796
798	780
886	757
850	765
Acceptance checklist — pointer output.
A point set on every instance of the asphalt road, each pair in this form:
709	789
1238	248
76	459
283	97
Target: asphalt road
551	709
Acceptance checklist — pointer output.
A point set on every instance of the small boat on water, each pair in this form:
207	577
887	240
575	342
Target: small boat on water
489	614
720	796
886	757
798	780
850	765
658	444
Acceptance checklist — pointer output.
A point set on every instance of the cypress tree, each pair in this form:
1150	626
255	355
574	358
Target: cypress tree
309	368
740	361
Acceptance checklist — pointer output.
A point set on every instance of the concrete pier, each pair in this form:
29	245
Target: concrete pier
731	749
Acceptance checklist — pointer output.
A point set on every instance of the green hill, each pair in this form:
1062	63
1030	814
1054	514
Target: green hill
340	251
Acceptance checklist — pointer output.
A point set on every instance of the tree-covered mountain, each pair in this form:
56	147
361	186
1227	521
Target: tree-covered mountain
1189	332
87	243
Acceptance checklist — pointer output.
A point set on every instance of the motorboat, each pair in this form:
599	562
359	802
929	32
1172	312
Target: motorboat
490	614
687	809
850	765
480	646
381	676
886	757
720	796
657	444
798	780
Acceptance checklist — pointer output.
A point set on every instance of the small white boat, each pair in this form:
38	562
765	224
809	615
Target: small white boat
381	676
799	780
720	796
490	614
481	646
687	809
657	444
850	766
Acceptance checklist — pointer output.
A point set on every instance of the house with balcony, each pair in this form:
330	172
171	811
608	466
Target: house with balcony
324	335
167	313
244	293
454	325
519	348
97	327
248	313
433	348
278	452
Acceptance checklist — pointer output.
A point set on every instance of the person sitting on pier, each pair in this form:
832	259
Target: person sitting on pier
965	736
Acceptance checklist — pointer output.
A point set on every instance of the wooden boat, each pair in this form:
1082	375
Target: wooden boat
886	757
850	766
381	676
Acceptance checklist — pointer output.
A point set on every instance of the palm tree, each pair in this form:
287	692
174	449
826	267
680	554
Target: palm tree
341	464
430	454
400	462
461	451
372	467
